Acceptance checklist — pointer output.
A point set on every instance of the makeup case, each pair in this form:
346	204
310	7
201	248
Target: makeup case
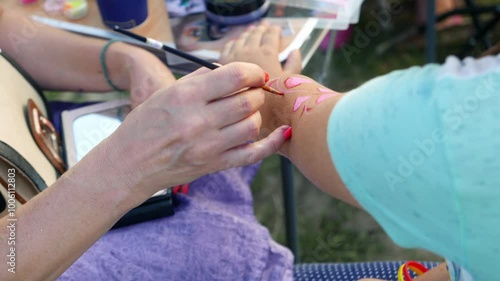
32	155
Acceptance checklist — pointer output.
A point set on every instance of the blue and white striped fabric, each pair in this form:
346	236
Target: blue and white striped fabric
350	271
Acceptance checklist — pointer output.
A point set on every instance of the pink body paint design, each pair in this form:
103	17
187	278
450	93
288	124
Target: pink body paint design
306	110
299	102
324	97
292	82
272	82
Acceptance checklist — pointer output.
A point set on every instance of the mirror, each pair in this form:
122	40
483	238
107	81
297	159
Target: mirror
85	127
92	128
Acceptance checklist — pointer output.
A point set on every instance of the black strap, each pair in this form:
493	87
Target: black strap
20	163
3	204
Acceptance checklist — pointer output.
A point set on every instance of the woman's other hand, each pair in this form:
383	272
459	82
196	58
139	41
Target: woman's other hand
147	74
194	127
261	45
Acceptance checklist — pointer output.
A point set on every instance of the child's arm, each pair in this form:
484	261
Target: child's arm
438	273
306	106
261	45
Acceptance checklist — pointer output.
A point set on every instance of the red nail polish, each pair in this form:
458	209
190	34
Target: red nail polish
266	76
288	133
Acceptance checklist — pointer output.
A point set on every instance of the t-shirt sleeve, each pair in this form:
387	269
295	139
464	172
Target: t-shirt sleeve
418	149
386	141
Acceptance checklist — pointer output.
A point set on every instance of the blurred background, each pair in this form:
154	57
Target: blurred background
330	230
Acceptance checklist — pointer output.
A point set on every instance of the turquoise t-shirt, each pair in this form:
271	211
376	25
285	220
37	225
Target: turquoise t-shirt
420	151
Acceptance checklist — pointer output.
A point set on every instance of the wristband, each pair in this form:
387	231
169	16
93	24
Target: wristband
105	68
404	274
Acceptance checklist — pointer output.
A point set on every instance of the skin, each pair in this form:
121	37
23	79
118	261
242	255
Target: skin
309	129
304	103
58	60
178	132
261	45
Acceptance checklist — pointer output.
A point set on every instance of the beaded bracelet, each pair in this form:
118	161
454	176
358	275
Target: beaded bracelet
404	274
105	68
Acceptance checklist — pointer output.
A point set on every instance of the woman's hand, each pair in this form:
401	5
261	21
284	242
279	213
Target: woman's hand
261	45
148	75
137	70
192	128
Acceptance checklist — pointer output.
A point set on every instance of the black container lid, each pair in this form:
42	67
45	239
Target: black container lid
233	7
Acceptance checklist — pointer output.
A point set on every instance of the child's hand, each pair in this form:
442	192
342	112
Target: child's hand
261	45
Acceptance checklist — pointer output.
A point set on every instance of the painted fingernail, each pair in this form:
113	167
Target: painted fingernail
288	133
266	77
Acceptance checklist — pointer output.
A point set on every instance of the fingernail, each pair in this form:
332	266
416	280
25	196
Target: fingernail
288	133
266	77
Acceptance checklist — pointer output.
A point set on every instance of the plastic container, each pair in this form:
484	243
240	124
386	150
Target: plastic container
123	13
235	12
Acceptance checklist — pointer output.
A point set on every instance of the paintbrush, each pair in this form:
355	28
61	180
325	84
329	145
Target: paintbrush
159	45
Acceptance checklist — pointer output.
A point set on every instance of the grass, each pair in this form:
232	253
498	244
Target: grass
329	230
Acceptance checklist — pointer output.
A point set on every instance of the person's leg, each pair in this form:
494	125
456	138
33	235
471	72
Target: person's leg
213	235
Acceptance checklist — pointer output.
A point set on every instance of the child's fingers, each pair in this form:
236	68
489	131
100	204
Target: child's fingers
293	64
272	37
255	38
228	49
240	43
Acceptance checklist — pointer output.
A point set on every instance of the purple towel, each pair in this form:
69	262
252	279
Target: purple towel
214	235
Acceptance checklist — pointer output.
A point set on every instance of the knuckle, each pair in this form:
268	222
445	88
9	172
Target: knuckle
268	51
259	97
253	128
246	53
199	154
227	163
207	149
176	95
193	158
199	123
175	99
275	146
245	103
251	101
252	157
193	127
275	28
238	74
